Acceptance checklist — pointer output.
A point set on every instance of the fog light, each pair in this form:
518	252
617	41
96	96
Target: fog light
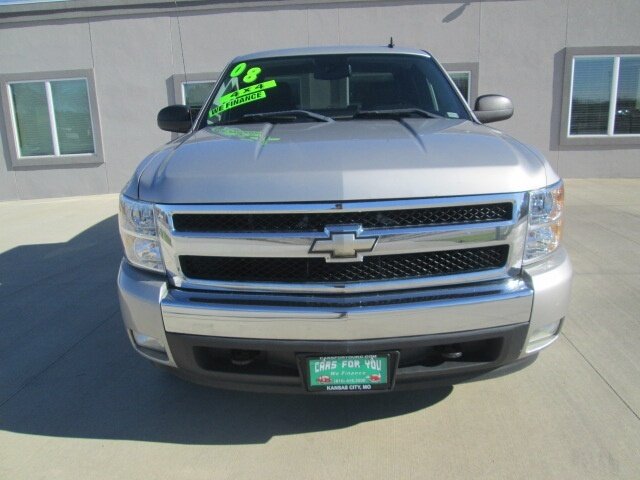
146	341
543	335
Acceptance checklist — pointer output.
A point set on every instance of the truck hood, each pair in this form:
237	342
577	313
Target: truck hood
339	161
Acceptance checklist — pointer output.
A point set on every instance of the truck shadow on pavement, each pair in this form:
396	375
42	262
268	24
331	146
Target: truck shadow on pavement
67	369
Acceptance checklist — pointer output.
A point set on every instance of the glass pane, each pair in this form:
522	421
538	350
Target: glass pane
73	117
628	102
337	86
32	119
196	93
461	79
591	95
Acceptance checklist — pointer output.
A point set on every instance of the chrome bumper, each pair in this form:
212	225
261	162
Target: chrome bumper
442	310
540	296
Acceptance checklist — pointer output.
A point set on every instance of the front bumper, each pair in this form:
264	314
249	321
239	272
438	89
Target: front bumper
491	352
192	326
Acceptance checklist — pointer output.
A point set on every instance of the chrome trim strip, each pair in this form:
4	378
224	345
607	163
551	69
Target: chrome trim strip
393	299
390	241
292	245
336	207
340	288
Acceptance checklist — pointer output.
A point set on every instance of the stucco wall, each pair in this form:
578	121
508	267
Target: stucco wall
519	45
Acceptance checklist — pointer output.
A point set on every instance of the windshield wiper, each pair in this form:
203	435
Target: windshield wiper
395	112
285	115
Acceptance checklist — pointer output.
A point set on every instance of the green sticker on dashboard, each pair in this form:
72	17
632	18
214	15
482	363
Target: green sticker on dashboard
240	134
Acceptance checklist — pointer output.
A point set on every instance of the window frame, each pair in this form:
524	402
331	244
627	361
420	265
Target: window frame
610	138
95	158
472	68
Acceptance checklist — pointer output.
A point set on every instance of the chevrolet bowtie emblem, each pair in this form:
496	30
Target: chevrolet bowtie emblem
344	244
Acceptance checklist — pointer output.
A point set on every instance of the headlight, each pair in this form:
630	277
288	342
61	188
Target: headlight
545	222
139	234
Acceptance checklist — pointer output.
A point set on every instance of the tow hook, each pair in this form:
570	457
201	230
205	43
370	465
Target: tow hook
243	357
449	352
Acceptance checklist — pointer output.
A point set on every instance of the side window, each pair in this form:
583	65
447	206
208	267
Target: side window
51	121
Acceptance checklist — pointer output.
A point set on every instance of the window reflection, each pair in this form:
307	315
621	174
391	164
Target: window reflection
628	98
461	79
591	95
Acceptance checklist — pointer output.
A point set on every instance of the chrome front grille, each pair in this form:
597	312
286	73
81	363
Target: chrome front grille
282	248
316	222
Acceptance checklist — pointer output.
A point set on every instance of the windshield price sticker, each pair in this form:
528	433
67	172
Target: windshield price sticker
241	96
250	77
247	90
236	102
349	373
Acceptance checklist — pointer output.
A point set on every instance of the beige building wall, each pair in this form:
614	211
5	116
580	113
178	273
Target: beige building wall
135	50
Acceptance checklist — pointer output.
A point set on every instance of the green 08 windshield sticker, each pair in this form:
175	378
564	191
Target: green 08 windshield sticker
250	77
242	96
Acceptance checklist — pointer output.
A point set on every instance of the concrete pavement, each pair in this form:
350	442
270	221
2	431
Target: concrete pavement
77	402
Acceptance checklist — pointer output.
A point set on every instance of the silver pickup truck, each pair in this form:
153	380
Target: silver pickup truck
338	220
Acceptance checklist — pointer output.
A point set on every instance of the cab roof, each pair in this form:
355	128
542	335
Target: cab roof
335	50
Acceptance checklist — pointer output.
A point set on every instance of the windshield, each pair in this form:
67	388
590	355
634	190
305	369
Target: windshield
338	87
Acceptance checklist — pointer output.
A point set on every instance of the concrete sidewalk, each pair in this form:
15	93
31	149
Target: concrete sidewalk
77	402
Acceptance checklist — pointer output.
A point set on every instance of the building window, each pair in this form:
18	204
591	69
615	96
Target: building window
52	117
462	81
194	94
52	120
602	96
192	90
605	96
465	77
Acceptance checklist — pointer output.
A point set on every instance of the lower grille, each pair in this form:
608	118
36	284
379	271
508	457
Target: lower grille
316	270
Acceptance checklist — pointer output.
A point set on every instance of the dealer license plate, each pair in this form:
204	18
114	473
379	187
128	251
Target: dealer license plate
348	373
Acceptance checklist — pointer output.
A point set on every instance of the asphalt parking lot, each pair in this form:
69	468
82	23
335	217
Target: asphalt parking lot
77	402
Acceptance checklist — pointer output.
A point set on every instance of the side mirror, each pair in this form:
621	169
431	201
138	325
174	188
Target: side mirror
493	108
175	118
